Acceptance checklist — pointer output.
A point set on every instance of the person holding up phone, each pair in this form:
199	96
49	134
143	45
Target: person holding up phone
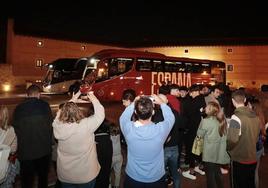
145	140
77	166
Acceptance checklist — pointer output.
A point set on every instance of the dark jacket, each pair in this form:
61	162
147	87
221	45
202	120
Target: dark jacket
185	104
193	113
172	139
105	152
32	121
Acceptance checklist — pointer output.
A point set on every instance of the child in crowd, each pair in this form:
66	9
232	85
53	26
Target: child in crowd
104	152
117	159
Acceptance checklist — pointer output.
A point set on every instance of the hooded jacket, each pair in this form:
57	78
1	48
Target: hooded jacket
242	135
32	121
77	157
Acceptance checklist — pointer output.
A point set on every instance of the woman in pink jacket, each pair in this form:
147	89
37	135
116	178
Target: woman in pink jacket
77	163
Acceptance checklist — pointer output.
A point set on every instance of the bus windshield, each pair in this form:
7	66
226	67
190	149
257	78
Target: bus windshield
64	70
111	67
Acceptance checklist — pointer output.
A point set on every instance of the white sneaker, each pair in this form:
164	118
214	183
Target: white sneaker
198	170
187	174
224	171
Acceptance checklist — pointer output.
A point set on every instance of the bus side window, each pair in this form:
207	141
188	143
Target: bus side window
118	66
57	74
102	71
158	66
113	68
144	65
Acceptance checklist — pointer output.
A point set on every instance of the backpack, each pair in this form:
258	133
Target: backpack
4	162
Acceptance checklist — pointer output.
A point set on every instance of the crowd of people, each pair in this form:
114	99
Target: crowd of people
157	133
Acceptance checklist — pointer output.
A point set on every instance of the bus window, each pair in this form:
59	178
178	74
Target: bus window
158	66
102	71
174	66
144	65
125	64
197	68
205	68
57	74
113	67
218	72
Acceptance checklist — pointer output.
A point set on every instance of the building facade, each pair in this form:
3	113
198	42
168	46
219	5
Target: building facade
246	65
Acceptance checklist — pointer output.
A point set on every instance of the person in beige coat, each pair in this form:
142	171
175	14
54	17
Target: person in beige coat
8	138
77	163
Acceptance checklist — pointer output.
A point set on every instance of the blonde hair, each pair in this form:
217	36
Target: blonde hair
215	110
70	113
4	117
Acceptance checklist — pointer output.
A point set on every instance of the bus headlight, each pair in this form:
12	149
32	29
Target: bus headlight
46	88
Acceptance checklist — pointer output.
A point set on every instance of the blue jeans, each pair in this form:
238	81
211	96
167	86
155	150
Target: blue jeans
90	184
171	161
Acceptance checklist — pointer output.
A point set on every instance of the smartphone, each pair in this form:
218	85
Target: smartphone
84	89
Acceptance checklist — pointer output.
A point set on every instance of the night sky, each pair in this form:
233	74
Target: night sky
143	23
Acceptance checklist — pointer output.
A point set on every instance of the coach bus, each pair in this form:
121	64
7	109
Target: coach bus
63	73
117	70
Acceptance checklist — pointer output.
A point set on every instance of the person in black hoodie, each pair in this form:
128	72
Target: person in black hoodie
105	153
171	145
32	121
193	113
185	101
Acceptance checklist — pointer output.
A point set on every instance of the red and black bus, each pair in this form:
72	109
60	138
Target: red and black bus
117	70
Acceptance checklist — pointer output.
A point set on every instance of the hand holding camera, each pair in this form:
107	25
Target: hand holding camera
85	88
159	99
79	98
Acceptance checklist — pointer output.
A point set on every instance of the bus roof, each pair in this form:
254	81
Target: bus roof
146	54
130	53
61	63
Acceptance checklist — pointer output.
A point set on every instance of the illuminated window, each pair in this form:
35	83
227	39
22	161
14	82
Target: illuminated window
39	62
40	43
83	47
230	68
229	83
229	50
